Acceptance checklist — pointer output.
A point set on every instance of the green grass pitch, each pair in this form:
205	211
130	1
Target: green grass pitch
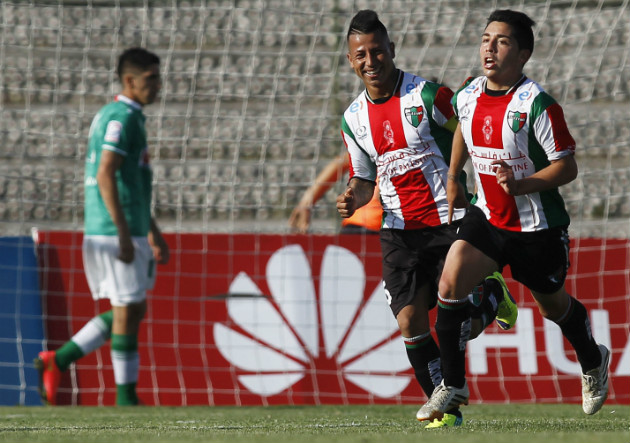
482	423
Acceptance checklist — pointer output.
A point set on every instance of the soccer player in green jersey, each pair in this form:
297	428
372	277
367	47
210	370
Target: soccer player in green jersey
122	241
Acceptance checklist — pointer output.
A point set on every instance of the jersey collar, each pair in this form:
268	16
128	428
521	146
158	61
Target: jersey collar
130	102
493	93
383	100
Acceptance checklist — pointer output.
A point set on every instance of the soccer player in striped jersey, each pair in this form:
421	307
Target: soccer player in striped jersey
517	139
398	132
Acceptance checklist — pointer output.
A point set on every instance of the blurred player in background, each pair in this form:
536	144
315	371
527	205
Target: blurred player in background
399	131
365	220
521	152
122	242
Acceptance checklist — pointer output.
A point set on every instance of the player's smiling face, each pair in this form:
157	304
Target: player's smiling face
501	59
372	59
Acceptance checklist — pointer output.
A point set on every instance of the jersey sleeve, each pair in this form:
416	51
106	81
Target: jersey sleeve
114	130
437	98
460	89
550	128
442	107
361	165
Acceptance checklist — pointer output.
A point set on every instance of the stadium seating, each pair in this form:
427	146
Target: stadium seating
233	132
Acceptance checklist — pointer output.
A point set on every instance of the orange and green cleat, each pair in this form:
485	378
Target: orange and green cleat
49	376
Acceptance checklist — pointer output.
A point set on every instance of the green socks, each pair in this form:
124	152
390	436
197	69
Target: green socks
126	362
93	335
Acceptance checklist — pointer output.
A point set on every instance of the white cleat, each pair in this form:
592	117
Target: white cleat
595	384
444	398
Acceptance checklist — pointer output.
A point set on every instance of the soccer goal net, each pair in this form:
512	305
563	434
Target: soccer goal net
249	112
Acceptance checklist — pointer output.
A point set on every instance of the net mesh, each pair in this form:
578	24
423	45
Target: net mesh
252	96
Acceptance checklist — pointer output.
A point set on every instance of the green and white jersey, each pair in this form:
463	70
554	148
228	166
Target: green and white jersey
119	127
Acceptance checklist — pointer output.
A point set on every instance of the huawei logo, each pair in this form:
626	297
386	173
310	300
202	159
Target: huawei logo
334	335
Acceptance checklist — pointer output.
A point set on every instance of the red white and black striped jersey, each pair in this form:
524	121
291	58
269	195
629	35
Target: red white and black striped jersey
402	141
527	129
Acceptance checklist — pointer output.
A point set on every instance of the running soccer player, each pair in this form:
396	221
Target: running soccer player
521	151
121	242
400	129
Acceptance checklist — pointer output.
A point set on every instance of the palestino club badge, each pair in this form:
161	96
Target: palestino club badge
516	120
414	115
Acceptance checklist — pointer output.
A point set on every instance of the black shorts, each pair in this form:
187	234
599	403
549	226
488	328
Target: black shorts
539	260
411	259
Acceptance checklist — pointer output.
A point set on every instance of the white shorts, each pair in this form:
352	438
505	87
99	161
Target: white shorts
108	277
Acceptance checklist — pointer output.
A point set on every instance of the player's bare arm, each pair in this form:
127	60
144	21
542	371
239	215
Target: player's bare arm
300	219
106	179
161	252
558	173
454	189
358	193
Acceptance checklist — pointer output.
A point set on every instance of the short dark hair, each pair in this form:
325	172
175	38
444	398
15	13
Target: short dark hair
138	58
520	23
366	21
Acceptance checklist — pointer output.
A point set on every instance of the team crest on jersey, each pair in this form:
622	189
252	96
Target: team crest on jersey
414	115
516	120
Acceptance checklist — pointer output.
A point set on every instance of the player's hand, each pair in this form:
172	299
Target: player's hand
126	251
159	247
505	177
346	203
455	196
300	219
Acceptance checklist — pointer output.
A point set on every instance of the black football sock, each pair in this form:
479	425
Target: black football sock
424	356
576	327
453	330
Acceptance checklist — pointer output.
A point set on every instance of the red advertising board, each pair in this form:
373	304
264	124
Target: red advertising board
248	319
